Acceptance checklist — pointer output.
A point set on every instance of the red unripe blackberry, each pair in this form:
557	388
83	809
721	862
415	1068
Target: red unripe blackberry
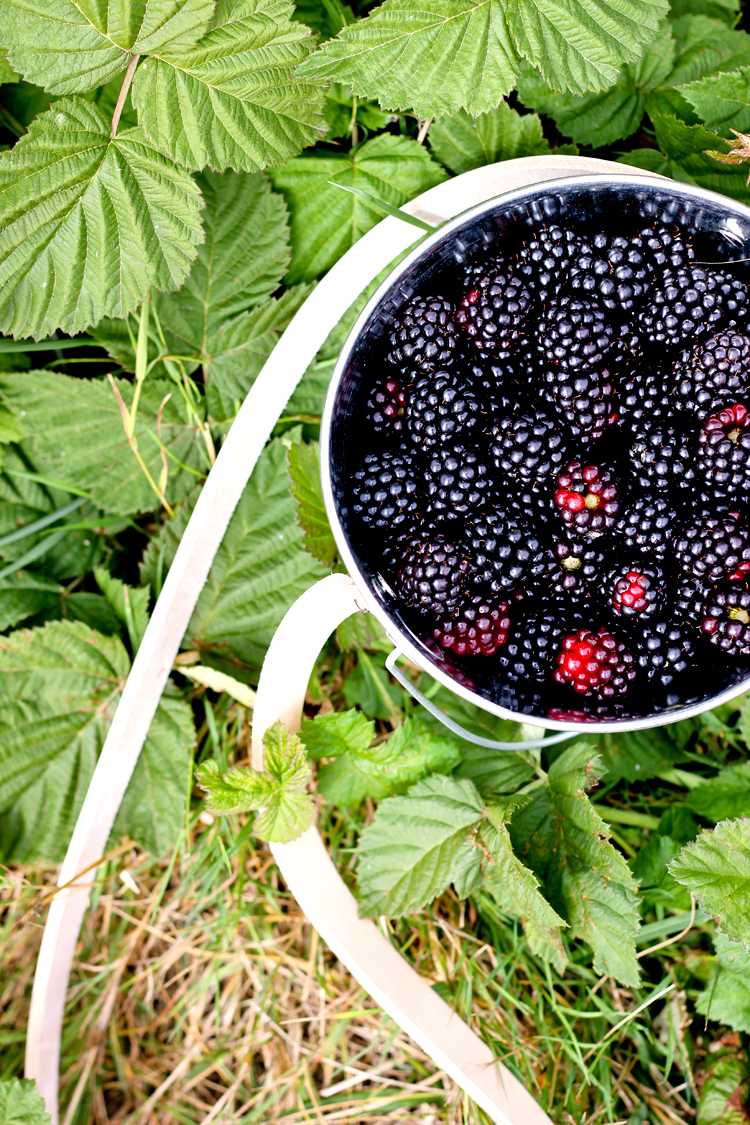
713	548
575	333
384	413
713	373
726	620
611	268
424	336
544	260
648	525
587	497
442	408
493	313
666	248
385	493
724	450
506	553
478	628
635	589
666	648
595	662
687	302
456	483
528	447
434	575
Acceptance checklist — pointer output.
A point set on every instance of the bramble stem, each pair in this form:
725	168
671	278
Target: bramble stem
123	94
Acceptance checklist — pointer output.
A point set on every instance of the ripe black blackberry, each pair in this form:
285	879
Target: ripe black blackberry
442	408
661	455
686	302
544	260
713	548
506	553
528	448
690	596
575	333
575	565
530	652
586	400
715	372
434	575
644	397
385	493
726	619
666	648
724	450
587	498
456	483
611	268
635	589
494	312
648	525
477	628
384	412
424	336
666	247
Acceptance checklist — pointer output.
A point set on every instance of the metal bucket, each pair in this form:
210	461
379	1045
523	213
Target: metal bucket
720	229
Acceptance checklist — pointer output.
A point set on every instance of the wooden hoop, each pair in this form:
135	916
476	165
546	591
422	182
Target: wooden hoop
225	483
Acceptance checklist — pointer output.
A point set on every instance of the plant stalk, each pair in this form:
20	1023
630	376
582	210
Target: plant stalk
123	94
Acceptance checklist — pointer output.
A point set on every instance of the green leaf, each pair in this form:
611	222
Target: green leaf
327	18
326	221
21	1103
304	469
330	736
515	888
650	868
462	142
130	603
235	100
238	790
566	843
716	869
722	101
342	112
727	998
7	74
726	10
725	796
417	845
493	771
580	46
69	47
702	48
259	570
433	56
639	755
77	434
369	687
25	595
89	223
724	1093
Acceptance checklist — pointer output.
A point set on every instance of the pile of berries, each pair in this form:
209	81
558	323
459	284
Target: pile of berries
555	466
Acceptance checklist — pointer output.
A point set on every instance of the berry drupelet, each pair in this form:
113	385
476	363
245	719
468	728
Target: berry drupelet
665	649
648	525
478	628
588	499
661	456
434	575
713	548
595	662
665	248
726	619
456	483
506	553
645	398
384	412
385	493
424	337
635	589
544	261
687	302
611	268
493	313
575	564
713	373
724	450
585	400
531	649
441	409
575	333
528	448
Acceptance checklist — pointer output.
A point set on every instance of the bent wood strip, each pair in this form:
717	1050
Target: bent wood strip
187	575
321	892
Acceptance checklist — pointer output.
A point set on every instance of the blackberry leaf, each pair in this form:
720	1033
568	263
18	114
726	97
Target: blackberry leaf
716	869
304	469
722	101
338	733
727	998
725	796
89	223
21	1103
462	142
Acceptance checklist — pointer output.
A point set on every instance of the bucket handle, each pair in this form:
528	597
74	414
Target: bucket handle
456	728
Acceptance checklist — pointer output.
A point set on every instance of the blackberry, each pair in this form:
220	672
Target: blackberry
575	333
644	398
726	620
665	248
716	371
477	628
687	301
506	553
587	497
425	336
442	408
544	260
585	400
724	450
386	495
497	383
434	575
611	268
575	565
528	448
666	648
661	456
690	597
457	483
530	652
384	412
635	589
648	525
493	313
595	662
713	548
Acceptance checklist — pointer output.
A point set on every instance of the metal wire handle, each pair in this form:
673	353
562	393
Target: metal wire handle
456	728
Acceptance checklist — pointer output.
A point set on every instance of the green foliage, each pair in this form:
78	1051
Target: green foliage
462	142
566	844
722	101
278	792
130	604
337	733
304	470
725	796
90	222
724	1093
417	845
640	754
727	997
716	869
21	1103
326	221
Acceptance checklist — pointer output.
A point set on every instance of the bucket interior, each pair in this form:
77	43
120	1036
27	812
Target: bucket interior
720	230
